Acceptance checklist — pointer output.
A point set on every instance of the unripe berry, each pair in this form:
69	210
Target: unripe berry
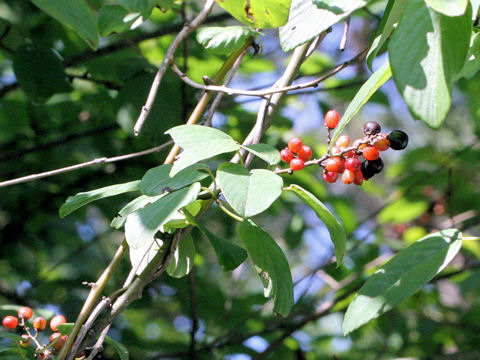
336	150
39	323
10	322
331	119
60	342
295	144
371	128
25	313
358	180
343	141
370	153
25	343
297	164
335	164
286	155
348	177
330	176
57	320
398	139
382	143
305	153
353	164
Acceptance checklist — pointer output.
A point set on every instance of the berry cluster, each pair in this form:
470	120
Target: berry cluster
296	147
345	159
57	340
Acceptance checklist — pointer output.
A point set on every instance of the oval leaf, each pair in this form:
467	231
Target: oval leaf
405	273
337	232
156	181
198	143
377	79
120	348
449	7
74	14
141	257
182	261
77	201
425	76
265	152
271	264
119	220
258	13
224	40
248	192
142	225
229	254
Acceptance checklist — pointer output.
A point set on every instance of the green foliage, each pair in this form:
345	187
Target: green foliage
249	192
271	265
407	272
183	259
265	152
224	40
449	7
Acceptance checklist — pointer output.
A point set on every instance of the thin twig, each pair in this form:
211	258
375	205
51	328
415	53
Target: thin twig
343	42
187	29
274	89
102	160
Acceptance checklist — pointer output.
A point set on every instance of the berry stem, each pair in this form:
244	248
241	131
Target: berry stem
27	330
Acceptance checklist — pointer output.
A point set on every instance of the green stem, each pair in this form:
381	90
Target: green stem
228	212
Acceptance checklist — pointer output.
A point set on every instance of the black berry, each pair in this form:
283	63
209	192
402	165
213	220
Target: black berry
375	165
371	128
398	139
367	172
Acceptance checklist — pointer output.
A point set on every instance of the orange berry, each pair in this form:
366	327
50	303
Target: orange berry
297	164
10	322
25	343
57	320
343	141
370	153
335	164
382	143
331	119
286	155
305	153
348	177
25	312
39	323
58	345
295	144
358	180
330	176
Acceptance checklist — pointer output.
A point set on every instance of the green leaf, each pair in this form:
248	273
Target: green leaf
81	199
156	181
392	15
340	6
258	13
14	337
39	71
74	14
472	65
120	348
142	225
449	7
406	272
248	192
337	232
271	264
199	143
182	261
265	152
425	76
140	257
65	328
229	254
403	210
306	21
112	18
224	40
377	79
137	203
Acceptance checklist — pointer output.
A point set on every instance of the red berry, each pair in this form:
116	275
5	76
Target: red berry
10	322
39	323
286	155
331	119
295	144
348	177
370	153
335	164
25	312
305	153
343	141
60	342
358	180
57	320
25	343
330	176
297	164
353	164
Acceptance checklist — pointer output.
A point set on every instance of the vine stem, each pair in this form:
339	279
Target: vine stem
203	102
92	298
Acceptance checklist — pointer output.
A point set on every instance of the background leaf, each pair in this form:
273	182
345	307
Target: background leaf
271	265
405	273
142	225
224	40
265	152
199	143
248	192
449	7
74	14
337	232
425	77
183	257
120	348
81	199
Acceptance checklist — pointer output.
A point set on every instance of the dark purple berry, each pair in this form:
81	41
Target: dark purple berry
398	139
375	165
367	172
371	128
